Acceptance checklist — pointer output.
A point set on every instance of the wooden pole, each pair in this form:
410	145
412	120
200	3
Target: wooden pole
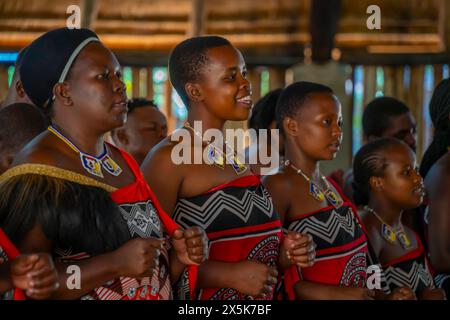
277	78
197	19
89	13
150	90
369	84
438	73
389	81
136	82
167	110
415	103
254	75
3	83
444	25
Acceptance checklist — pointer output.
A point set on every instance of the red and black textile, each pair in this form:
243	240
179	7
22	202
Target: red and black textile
341	252
409	270
145	218
442	280
83	217
241	223
8	251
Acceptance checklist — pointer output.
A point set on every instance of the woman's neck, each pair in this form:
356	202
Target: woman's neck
295	156
208	121
390	213
87	142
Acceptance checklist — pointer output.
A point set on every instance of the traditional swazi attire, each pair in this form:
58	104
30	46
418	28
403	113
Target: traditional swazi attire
84	218
442	280
8	251
341	252
411	269
241	223
81	216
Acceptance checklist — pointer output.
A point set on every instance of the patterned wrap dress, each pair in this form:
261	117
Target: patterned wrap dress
133	207
341	252
241	224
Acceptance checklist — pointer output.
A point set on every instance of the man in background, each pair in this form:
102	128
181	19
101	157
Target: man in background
16	93
146	126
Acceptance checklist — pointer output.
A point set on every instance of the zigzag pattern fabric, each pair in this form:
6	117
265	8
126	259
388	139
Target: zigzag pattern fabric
329	229
342	247
410	270
417	277
241	224
441	280
204	214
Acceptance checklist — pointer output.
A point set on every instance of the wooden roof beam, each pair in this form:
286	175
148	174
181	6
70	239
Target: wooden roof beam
444	25
167	41
123	9
252	7
323	26
89	13
197	19
364	39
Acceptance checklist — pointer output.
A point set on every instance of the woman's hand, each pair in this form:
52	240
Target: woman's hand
191	245
254	278
299	249
402	293
35	274
138	257
433	294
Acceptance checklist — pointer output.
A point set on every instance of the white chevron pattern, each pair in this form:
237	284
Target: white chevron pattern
203	215
329	229
417	274
440	280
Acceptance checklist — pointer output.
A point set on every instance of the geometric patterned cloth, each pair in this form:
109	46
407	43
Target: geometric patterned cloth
241	224
409	270
342	248
442	280
145	218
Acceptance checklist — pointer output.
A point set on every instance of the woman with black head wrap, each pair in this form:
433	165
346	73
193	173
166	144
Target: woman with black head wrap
435	168
81	199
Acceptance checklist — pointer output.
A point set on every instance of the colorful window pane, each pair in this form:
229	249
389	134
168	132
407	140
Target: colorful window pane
428	88
128	79
265	84
358	98
10	74
379	82
159	78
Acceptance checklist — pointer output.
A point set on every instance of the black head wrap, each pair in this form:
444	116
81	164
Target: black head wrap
48	59
439	114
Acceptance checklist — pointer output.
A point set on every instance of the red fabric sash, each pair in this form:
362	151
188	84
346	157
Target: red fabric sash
140	191
11	252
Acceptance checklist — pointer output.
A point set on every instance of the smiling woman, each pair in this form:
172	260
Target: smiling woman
81	199
210	75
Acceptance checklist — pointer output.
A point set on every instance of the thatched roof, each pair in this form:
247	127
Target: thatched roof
272	31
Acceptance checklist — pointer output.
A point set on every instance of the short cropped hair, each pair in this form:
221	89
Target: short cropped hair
294	96
188	59
378	114
136	103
